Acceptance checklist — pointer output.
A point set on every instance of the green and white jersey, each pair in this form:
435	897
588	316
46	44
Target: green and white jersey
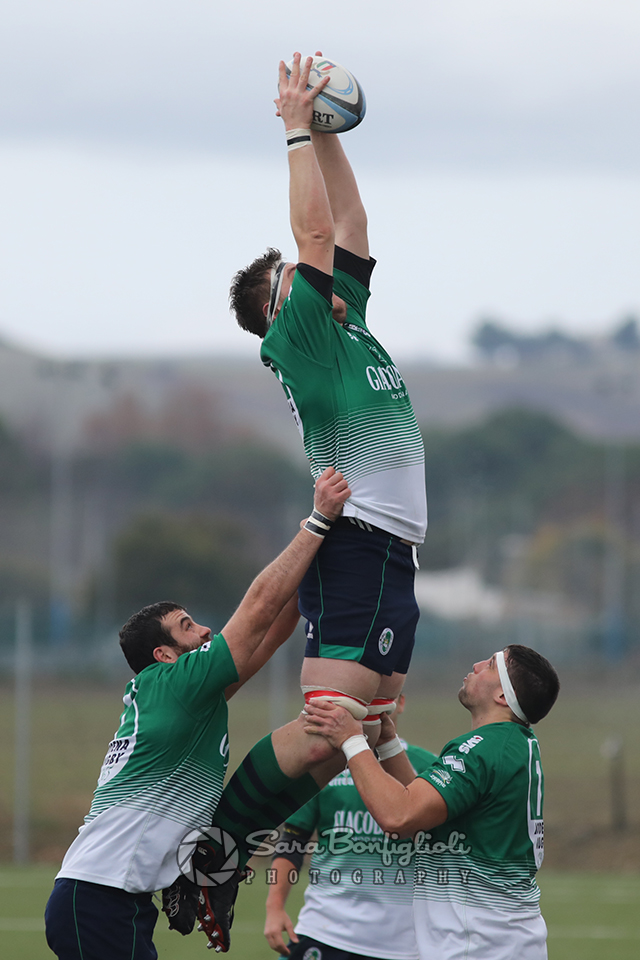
350	403
360	881
162	775
486	854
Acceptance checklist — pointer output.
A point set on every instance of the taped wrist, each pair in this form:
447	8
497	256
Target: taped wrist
389	749
292	845
354	745
318	524
298	137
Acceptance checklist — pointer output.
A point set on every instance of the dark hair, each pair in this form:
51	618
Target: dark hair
534	680
250	291
143	632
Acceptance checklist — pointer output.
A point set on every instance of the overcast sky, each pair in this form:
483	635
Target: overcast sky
141	164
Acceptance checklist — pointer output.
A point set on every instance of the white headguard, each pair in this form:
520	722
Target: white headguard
277	276
507	688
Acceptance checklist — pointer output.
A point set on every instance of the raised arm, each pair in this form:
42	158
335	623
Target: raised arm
398	809
349	215
310	212
277	583
279	632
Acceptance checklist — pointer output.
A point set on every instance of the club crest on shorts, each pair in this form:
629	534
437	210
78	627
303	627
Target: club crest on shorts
313	953
385	641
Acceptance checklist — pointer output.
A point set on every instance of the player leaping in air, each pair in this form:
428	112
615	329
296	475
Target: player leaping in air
353	410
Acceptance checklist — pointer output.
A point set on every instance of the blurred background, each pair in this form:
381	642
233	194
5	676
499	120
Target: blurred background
146	454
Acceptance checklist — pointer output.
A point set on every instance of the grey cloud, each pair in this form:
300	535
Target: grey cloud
197	76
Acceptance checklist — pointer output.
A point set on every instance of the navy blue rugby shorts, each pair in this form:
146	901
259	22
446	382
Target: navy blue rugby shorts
358	599
88	921
312	949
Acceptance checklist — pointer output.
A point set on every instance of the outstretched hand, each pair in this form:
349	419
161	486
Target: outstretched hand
331	721
331	493
295	102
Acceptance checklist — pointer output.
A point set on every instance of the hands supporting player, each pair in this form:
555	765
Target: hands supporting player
331	493
295	103
388	729
331	721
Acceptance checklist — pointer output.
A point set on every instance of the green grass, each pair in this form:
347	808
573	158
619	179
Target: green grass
590	917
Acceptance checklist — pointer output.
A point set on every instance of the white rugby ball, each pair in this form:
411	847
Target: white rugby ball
341	105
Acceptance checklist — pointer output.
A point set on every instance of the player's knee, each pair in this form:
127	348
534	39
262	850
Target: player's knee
319	750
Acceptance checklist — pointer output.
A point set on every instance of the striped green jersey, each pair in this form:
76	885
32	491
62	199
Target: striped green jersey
350	402
487	853
162	775
360	881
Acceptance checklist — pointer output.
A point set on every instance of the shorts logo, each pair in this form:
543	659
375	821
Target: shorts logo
312	954
385	641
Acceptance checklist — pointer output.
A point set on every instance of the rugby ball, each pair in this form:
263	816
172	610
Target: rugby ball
341	105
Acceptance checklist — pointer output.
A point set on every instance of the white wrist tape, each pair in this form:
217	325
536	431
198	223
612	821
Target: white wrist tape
354	745
298	137
389	749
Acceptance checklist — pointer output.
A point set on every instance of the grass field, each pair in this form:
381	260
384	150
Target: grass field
590	917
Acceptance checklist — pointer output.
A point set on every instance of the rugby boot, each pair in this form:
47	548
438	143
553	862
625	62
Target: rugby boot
180	903
215	911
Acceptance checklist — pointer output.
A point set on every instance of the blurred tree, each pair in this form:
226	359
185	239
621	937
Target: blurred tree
199	561
503	476
627	337
20	475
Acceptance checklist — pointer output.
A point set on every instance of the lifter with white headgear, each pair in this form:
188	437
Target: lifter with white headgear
476	814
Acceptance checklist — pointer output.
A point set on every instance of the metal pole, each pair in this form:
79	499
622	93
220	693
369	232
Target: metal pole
612	750
614	560
23	664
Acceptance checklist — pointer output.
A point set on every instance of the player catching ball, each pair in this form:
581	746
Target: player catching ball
353	410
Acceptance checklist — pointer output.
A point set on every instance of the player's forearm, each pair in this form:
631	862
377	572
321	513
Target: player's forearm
278	633
310	212
398	809
399	767
347	208
280	889
278	582
384	796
